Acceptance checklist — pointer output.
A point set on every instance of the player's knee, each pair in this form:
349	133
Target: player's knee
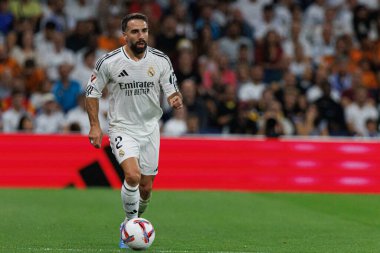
132	178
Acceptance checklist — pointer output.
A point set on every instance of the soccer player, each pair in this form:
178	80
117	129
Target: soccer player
134	75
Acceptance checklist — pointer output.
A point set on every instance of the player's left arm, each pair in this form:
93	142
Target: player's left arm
169	85
175	100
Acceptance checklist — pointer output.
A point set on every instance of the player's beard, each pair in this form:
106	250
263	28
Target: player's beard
138	50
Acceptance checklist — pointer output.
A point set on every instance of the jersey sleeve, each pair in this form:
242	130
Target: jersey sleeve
168	79
97	82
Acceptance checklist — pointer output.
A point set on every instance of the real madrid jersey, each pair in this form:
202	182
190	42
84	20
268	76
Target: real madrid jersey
134	88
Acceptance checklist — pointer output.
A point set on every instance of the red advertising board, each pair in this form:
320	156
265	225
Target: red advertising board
291	165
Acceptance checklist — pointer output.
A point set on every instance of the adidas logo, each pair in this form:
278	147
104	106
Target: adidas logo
123	73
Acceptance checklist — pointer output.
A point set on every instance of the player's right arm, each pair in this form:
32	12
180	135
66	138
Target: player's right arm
94	89
96	134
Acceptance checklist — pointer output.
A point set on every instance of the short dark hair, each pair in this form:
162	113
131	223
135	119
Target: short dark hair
131	16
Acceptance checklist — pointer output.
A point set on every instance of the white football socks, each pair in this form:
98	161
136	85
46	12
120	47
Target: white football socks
143	204
130	197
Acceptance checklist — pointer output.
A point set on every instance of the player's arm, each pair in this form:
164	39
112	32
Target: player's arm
96	134
175	100
94	89
169	85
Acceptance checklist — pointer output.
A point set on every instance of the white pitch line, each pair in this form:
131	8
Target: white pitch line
118	250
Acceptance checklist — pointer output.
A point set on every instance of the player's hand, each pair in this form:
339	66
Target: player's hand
95	135
176	102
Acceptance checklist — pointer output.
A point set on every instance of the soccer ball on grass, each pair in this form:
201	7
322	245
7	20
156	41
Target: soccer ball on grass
138	233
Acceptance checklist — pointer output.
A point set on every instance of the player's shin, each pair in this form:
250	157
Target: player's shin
130	196
143	204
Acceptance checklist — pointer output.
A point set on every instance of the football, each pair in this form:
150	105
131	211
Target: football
138	233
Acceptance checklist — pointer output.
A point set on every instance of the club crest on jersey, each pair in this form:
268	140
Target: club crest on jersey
121	153
151	71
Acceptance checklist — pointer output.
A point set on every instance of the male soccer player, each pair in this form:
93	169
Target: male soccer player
134	75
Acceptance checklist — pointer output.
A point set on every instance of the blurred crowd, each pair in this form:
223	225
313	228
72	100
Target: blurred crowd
249	67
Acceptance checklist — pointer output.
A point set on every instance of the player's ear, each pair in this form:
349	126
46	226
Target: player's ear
125	36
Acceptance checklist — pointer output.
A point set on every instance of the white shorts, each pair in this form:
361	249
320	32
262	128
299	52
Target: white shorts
145	149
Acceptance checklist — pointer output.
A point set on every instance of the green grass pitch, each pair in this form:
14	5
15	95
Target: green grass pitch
191	221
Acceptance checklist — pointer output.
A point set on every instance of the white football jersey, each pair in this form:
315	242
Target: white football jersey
134	89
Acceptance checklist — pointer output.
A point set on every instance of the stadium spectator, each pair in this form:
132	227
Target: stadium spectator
231	42
340	78
12	116
316	91
269	22
273	123
371	128
37	97
110	8
251	10
80	10
193	102
150	7
167	39
244	56
227	109
33	76
361	22
7	63
80	37
55	13
65	89
25	124
270	54
78	116
296	39
51	118
300	62
43	40
314	16
359	111
30	10
192	124
176	125
26	50
57	55
215	79
205	19
308	124
330	112
368	76
84	67
6	18
251	86
246	29
246	120
323	44
186	68
110	38
184	26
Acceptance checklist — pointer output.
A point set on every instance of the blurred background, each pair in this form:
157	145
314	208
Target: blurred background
247	67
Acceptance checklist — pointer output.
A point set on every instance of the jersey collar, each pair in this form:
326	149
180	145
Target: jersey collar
129	58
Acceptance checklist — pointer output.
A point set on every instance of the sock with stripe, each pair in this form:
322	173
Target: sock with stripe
143	204
130	196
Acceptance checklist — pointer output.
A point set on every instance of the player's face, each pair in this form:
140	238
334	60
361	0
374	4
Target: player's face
136	35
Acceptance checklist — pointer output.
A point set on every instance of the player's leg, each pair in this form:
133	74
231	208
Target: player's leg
126	151
149	167
130	194
146	185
